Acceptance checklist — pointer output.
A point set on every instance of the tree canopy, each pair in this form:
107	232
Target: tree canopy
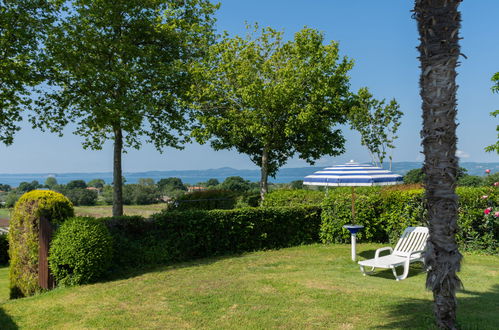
272	99
119	71
377	122
23	24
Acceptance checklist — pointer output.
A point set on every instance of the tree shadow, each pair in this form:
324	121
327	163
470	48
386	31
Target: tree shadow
475	310
6	322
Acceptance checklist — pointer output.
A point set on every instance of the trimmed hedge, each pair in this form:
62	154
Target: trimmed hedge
23	236
386	212
177	236
205	200
81	251
4	247
293	197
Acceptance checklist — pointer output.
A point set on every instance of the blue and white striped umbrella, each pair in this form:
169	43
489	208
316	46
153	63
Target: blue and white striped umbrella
352	174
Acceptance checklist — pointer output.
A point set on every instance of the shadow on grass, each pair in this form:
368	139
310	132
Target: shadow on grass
131	272
475	310
6	322
415	269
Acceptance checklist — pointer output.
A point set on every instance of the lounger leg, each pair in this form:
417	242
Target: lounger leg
397	277
366	272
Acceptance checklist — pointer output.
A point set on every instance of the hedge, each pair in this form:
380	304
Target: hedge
177	236
386	212
293	197
23	236
81	251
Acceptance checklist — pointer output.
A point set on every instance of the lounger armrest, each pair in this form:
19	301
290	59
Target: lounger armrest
378	251
414	252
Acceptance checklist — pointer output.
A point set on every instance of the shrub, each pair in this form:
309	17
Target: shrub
287	197
23	236
4	249
81	251
176	236
81	196
205	200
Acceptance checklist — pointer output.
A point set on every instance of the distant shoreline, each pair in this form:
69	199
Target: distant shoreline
285	175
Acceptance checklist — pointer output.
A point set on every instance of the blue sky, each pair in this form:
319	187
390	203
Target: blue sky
381	38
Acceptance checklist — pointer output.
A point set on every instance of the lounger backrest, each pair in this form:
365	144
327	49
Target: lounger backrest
413	239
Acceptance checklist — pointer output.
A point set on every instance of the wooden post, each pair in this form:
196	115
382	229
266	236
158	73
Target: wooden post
45	278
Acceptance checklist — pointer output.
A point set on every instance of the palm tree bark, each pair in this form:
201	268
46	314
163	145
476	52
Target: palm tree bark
117	174
438	24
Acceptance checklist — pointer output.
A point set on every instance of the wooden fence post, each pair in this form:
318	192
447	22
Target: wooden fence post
45	278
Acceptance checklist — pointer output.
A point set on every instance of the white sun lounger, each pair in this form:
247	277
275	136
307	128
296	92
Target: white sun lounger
410	248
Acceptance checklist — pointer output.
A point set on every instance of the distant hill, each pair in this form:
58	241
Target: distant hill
195	176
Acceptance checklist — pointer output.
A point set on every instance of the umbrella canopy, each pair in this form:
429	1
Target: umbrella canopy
352	174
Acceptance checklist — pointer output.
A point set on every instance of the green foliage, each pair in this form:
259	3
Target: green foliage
273	99
376	122
212	182
23	236
139	194
4	249
120	71
51	182
76	184
5	187
11	199
470	181
414	176
28	186
81	196
386	213
197	234
284	197
205	200
495	89
171	184
23	26
236	184
96	183
81	251
297	184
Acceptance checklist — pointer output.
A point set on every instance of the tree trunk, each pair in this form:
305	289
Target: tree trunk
264	174
117	175
438	25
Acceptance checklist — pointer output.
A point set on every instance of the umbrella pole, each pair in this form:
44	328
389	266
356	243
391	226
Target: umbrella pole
353	205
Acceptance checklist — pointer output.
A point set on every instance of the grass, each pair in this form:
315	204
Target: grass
107	210
314	286
4	213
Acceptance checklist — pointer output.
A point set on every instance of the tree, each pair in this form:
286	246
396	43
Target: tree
23	25
5	187
377	124
119	71
236	183
96	183
51	182
146	182
212	182
438	24
75	184
171	184
272	99
417	175
28	186
495	89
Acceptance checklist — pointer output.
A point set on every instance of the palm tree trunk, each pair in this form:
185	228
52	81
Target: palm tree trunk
438	25
117	174
264	174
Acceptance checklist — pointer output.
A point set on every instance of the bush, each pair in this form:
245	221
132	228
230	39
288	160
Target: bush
81	251
23	236
287	197
81	196
205	200
4	249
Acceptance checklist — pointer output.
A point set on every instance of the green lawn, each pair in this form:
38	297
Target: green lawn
106	210
314	286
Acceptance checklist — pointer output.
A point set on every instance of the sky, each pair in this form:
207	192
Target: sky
381	38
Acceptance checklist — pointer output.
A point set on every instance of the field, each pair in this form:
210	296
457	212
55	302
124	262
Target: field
106	210
313	287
